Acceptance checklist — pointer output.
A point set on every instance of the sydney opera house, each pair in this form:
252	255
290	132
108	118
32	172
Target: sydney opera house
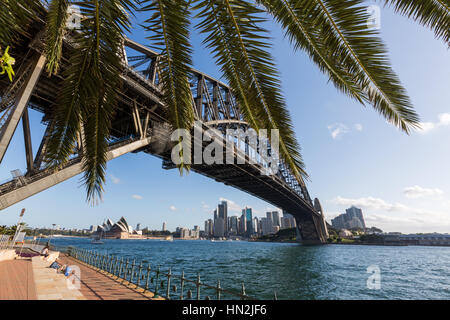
119	230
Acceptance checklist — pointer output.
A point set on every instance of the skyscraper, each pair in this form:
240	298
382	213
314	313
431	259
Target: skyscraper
352	218
233	225
222	210
242	225
276	219
164	227
219	228
247	212
255	225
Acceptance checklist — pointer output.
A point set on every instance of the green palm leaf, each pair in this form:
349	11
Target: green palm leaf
304	34
434	14
15	17
56	28
88	93
169	28
246	51
360	67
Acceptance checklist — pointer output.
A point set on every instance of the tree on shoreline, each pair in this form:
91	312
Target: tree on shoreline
334	33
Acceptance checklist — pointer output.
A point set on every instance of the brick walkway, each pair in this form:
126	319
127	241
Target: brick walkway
97	285
16	280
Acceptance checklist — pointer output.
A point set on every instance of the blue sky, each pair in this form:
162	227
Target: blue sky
353	156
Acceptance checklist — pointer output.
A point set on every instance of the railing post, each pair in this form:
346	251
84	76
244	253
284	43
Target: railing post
168	283
115	266
243	292
218	289
157	280
198	283
148	275
126	270
132	271
139	276
97	259
121	268
182	285
110	264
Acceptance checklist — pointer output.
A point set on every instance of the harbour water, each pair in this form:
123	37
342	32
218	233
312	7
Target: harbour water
291	270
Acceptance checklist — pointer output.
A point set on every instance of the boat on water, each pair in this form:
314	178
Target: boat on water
97	240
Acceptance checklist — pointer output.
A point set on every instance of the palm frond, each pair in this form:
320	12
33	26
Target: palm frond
168	26
88	93
15	17
434	14
56	28
345	32
304	34
246	57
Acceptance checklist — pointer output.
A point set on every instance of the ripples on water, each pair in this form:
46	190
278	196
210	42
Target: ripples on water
292	270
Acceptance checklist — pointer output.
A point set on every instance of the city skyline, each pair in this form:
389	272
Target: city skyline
352	155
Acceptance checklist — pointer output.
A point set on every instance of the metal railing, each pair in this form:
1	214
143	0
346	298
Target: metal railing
165	284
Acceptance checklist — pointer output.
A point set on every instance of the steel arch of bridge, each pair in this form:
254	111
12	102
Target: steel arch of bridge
140	126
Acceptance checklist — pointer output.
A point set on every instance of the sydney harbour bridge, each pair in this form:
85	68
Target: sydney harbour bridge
140	125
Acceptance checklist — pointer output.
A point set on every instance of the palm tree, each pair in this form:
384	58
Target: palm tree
333	33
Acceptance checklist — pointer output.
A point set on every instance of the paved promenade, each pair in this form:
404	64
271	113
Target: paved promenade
97	285
16	280
31	279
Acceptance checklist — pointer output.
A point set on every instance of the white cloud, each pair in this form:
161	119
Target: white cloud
137	197
337	130
426	127
397	216
205	207
172	208
418	192
232	206
114	179
370	203
443	121
358	127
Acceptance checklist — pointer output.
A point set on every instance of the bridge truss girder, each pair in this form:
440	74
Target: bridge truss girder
140	125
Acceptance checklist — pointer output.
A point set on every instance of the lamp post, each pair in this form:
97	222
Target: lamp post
22	212
51	233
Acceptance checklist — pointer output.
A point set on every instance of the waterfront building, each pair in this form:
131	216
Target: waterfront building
219	228
233	225
187	234
276	219
344	233
222	211
138	227
242	225
266	226
352	218
255	225
247	212
269	217
426	239
286	223
119	230
292	223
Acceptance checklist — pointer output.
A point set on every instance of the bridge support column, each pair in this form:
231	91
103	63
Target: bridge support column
311	229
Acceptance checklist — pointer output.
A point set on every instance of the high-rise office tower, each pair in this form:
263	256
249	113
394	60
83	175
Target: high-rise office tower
233	225
222	210
276	219
242	224
247	212
219	227
164	227
255	225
